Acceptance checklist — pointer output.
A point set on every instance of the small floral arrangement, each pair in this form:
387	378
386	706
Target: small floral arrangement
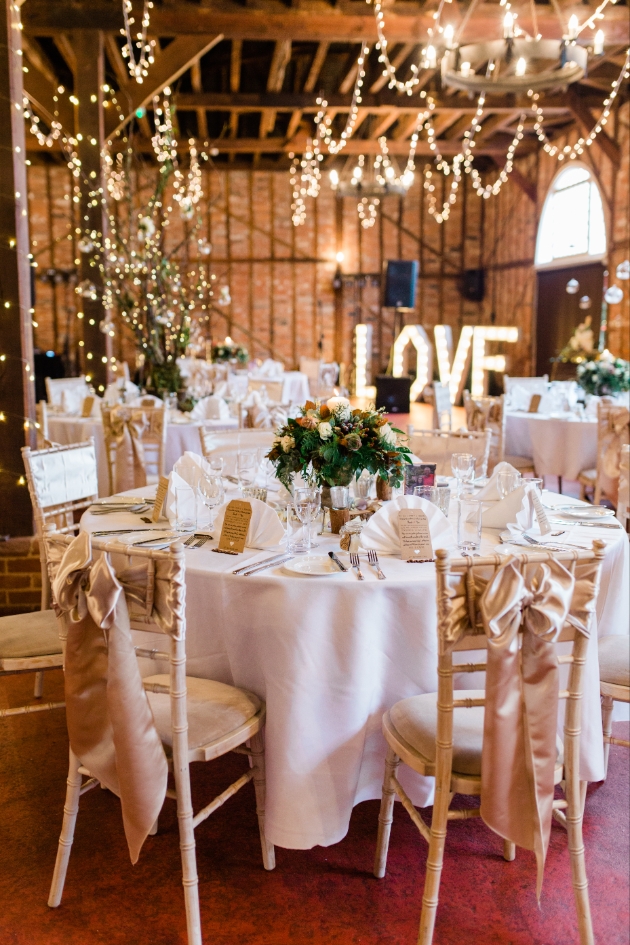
228	351
331	443
605	376
580	346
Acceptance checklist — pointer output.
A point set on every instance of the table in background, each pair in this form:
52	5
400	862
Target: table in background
330	656
559	446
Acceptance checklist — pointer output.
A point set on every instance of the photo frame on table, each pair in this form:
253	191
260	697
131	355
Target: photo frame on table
422	474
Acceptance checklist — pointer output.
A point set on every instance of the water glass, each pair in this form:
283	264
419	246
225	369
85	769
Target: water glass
463	466
429	493
307	506
443	499
340	497
212	494
297	534
468	524
185	509
245	467
507	482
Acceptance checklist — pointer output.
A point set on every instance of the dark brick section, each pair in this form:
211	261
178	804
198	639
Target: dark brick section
20	576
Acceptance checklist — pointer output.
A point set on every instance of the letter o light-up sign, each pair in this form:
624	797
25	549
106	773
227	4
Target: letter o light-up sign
424	372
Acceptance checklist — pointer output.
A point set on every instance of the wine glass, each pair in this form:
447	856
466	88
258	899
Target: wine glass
507	482
212	494
216	464
463	466
307	504
245	468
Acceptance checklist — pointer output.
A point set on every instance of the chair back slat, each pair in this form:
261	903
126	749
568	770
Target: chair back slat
227	443
437	446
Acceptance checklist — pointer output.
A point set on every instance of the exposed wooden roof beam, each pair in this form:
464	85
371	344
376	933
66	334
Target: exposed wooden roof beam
41	94
494	123
121	72
316	67
406	128
38	58
274	21
236	55
195	81
586	119
349	79
527	186
382	126
397	61
65	47
445	120
294	123
279	63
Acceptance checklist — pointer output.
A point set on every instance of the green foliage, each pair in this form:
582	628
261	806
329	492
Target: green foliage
605	376
231	352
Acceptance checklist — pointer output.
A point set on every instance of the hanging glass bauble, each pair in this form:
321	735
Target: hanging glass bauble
85	245
584	302
613	295
204	247
623	270
573	286
186	209
224	296
86	289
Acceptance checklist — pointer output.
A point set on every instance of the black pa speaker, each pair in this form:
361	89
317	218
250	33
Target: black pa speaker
400	284
393	393
474	285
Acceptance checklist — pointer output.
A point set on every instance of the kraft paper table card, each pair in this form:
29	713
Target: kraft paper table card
415	537
235	527
86	409
160	498
534	403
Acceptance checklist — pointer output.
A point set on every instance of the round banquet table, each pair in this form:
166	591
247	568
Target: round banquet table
330	655
559	445
180	436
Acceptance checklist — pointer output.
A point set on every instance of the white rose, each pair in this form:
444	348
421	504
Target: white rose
325	430
388	435
287	443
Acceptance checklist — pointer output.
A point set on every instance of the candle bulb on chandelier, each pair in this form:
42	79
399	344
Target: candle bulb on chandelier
430	58
449	34
521	66
574	27
465	69
508	26
598	44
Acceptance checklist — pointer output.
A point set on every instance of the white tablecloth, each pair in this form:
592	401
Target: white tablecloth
295	388
559	446
329	656
179	438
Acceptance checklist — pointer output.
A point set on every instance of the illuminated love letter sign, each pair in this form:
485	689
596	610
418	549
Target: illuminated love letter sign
424	372
453	371
481	362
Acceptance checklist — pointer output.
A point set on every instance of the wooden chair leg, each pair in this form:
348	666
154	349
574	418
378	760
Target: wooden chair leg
574	795
258	760
70	811
190	881
386	814
607	707
38	691
509	851
434	866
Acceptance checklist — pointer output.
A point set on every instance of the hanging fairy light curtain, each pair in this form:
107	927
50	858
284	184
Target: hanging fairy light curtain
141	46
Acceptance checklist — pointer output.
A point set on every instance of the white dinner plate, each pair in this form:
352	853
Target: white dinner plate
586	513
312	566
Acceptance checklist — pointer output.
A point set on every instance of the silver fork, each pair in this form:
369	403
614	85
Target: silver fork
354	561
373	559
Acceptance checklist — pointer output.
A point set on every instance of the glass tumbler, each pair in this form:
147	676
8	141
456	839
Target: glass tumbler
468	524
429	493
185	509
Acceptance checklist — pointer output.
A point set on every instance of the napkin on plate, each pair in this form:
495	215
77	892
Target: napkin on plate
187	471
490	492
210	408
265	528
515	510
381	532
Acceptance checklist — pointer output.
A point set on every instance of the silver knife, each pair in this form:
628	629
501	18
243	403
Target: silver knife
586	524
333	556
246	567
269	564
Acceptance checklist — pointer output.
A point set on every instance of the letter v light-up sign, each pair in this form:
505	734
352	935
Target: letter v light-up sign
453	371
424	372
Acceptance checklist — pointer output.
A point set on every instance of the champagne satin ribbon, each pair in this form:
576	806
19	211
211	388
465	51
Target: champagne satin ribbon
520	719
127	427
110	723
617	422
475	418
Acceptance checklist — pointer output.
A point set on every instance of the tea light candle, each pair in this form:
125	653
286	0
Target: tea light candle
335	402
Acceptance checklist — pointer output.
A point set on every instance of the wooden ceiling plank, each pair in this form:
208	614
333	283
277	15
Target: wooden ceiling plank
382	126
279	63
397	62
406	128
38	58
445	120
316	67
347	83
41	94
294	123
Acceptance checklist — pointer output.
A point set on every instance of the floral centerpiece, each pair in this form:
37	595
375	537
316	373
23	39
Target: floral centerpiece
605	376
331	443
229	351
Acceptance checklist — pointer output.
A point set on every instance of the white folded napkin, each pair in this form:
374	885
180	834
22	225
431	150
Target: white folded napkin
187	471
381	532
118	389
189	507
265	528
269	370
210	408
516	509
490	492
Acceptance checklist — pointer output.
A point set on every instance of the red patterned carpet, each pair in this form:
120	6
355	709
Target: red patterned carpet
316	897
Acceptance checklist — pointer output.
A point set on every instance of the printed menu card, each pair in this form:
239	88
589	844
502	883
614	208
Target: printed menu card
415	537
235	527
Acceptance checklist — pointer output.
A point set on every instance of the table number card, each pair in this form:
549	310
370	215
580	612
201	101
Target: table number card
235	527
534	403
539	509
86	409
160	498
415	537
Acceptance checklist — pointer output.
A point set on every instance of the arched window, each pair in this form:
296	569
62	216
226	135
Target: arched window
572	226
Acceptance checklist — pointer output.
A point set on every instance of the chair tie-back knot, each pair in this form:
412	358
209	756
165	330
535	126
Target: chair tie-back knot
110	723
618	421
128	426
522	617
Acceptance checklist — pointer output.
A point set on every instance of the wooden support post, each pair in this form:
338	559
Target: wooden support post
17	395
338	332
89	124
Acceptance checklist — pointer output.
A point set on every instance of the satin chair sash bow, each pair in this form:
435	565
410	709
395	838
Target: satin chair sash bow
522	620
110	723
128	427
617	424
476	418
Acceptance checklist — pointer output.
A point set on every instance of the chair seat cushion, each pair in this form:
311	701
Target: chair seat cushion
214	709
416	720
25	635
614	660
519	462
588	475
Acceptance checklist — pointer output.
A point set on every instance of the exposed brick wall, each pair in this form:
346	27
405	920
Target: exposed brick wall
280	277
20	576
